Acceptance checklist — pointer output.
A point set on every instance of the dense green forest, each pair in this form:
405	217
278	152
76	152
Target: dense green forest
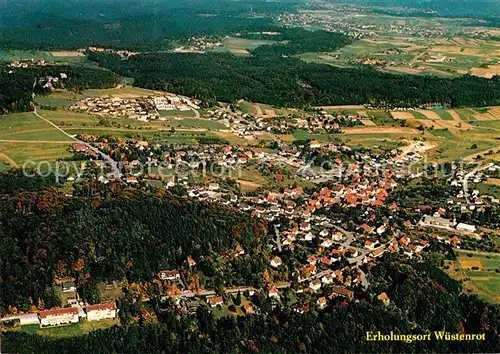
146	25
17	83
289	82
114	234
297	40
425	300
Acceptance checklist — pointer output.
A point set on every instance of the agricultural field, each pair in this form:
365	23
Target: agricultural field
479	273
28	127
241	46
62	57
18	153
401	45
452	145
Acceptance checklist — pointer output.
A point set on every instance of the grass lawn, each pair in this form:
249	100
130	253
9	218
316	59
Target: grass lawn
73	330
123	92
4	166
177	113
50	100
10	55
194	123
246	107
301	134
489	189
65	118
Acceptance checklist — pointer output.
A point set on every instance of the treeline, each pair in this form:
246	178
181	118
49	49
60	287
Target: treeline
290	82
107	234
423	300
17	84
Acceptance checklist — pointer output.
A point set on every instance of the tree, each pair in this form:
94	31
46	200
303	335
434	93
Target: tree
237	301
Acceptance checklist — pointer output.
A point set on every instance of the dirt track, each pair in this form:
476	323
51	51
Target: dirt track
381	130
9	161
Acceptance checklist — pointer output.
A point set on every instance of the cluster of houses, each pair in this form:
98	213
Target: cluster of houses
143	109
172	103
133	108
199	44
27	63
332	21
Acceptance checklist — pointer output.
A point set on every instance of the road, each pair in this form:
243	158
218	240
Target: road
470	174
115	171
359	260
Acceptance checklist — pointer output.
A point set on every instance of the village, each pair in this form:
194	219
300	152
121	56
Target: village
339	254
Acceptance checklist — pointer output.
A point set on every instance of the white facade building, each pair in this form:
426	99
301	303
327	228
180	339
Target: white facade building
101	311
58	317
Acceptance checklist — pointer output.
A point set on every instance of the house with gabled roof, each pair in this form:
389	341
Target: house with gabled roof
215	301
384	298
276	262
101	311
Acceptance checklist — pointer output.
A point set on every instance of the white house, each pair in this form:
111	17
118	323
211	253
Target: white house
101	311
27	319
169	275
58	316
466	227
276	262
315	284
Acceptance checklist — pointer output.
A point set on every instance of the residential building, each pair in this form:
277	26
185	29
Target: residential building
276	262
466	228
215	301
384	298
58	317
169	275
101	311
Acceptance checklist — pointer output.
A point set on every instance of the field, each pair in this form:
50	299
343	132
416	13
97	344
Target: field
241	46
396	44
479	273
11	55
452	145
27	126
21	153
175	113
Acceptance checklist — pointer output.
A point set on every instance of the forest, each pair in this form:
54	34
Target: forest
425	299
140	26
298	40
107	234
17	84
290	82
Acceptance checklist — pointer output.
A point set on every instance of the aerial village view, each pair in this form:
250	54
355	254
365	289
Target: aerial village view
188	200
